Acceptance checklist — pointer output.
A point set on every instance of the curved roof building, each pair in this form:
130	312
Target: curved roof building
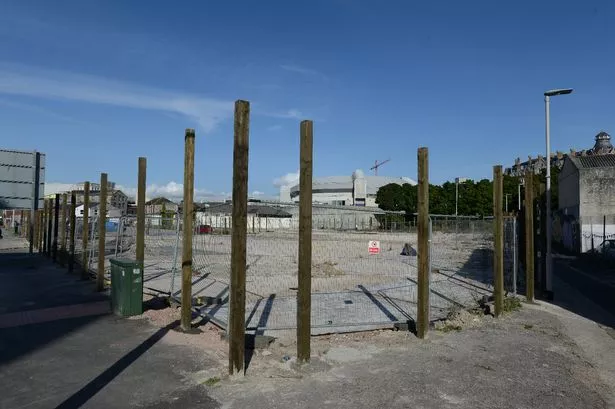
352	190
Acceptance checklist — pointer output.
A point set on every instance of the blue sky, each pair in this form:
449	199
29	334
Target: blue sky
95	84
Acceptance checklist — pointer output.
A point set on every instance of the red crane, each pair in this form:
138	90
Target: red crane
377	165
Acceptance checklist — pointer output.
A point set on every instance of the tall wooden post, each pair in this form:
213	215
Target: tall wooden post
102	233
186	302
422	314
49	226
73	223
22	229
86	230
498	245
239	236
63	229
34	232
56	219
529	237
304	293
41	228
140	245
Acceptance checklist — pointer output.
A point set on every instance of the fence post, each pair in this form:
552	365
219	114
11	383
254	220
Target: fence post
140	245
102	233
515	244
56	219
86	229
529	237
63	231
73	222
498	231
422	314
304	293
238	239
41	228
49	228
186	300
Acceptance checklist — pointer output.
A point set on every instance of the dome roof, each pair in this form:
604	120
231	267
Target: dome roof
603	144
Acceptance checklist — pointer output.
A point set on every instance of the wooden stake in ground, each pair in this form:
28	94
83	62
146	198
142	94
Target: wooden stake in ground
49	227
140	246
529	236
498	245
86	230
73	223
422	315
102	233
186	302
63	230
56	219
304	293
238	240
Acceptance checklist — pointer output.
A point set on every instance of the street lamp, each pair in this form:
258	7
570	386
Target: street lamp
548	261
457	182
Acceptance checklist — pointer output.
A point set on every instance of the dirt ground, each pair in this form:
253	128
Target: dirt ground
531	358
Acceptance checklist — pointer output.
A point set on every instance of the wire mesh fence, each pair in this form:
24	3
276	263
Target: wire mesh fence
364	272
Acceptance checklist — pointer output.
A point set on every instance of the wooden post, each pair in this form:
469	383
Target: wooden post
21	224
85	230
41	228
422	314
102	233
49	227
56	219
140	245
73	222
63	230
529	237
186	301
238	240
498	245
304	293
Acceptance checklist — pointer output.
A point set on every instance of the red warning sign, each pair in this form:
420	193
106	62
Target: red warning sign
374	247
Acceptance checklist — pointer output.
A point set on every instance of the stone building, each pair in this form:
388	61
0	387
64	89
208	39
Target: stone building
587	196
115	197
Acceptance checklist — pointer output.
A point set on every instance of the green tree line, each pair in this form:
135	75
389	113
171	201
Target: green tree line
475	198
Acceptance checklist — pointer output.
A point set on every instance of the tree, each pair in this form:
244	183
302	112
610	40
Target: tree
167	217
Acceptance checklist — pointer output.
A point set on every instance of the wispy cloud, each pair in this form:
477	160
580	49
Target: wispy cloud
38	110
27	81
289	179
171	190
289	114
302	70
274	128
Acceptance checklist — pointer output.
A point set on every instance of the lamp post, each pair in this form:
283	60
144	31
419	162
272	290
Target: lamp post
548	260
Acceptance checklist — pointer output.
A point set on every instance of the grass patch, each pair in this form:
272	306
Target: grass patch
450	328
212	381
511	304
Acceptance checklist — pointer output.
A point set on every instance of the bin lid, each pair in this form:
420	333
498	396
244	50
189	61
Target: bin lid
124	262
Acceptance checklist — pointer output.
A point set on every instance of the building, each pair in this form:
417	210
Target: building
538	164
587	197
353	190
112	212
157	205
22	179
115	197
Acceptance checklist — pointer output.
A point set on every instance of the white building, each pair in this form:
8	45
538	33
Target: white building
354	190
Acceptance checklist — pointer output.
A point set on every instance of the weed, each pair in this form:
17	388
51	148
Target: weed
212	381
528	326
511	304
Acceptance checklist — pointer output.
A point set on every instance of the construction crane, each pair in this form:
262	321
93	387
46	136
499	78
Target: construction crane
377	165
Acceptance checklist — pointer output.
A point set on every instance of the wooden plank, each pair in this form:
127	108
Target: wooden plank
140	245
529	236
186	301
102	233
422	314
304	293
56	219
86	229
498	242
63	230
239	236
73	223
